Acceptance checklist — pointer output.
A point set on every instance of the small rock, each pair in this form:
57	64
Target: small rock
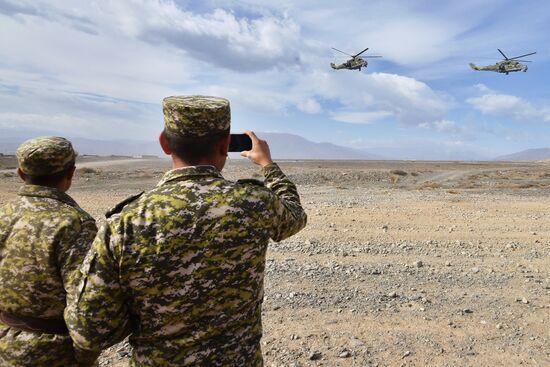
344	354
499	326
315	356
467	310
392	295
406	354
475	270
418	264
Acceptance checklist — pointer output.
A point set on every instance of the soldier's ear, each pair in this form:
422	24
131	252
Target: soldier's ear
164	144
21	175
71	172
224	144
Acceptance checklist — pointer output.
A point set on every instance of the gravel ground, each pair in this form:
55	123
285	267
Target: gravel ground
401	264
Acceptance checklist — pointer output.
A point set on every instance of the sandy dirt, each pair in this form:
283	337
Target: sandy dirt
401	264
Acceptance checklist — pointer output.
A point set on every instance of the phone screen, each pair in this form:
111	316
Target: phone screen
239	143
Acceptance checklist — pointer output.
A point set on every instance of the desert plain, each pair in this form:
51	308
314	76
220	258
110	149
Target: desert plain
402	263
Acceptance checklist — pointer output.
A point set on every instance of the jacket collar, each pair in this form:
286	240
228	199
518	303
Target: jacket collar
190	172
46	192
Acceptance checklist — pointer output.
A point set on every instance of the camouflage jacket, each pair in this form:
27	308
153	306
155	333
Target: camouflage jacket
182	267
44	237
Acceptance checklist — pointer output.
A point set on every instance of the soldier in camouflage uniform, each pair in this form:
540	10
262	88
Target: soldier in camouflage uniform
44	237
182	266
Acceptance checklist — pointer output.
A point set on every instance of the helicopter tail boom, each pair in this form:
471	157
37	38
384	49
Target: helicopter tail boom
474	67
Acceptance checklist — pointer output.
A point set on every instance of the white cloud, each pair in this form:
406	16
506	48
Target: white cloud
482	88
61	124
361	117
310	106
441	126
219	38
506	105
409	100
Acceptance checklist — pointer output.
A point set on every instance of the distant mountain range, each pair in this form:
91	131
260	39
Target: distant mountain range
527	155
283	146
288	146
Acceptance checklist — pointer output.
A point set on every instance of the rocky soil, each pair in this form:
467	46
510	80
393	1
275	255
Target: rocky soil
401	264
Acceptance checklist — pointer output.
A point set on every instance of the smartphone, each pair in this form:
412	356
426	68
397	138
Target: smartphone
239	143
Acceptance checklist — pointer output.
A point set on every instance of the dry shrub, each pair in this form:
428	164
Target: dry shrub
394	179
398	172
430	185
519	186
87	171
415	174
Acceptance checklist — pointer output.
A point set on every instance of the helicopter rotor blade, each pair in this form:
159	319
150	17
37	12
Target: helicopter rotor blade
345	53
372	56
521	60
519	57
502	53
361	52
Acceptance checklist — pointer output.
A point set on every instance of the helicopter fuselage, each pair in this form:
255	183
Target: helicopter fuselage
352	64
506	66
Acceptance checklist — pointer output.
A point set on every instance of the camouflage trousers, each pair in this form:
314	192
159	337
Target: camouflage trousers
25	349
169	355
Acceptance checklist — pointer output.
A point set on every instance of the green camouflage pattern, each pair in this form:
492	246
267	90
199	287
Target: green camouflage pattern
45	155
181	268
196	116
44	237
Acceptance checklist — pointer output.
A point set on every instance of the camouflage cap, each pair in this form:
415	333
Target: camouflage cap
196	116
45	155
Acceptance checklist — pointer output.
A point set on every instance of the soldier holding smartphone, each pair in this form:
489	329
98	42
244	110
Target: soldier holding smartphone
181	268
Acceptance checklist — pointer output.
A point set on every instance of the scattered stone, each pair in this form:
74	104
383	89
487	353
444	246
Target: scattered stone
344	354
419	264
392	294
499	326
406	354
475	270
315	356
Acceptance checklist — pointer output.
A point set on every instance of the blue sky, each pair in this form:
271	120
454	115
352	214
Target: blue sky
99	69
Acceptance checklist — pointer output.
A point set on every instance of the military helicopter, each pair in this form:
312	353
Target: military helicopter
505	66
355	63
